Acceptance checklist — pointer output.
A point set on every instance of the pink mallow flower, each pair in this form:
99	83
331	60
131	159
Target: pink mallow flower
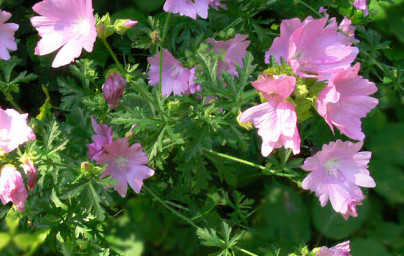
126	165
30	171
345	100
12	188
7	40
231	52
341	249
276	119
14	130
337	173
311	48
113	89
65	24
174	77
104	135
189	8
362	5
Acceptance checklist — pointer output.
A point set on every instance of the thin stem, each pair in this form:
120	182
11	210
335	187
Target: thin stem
162	202
121	68
311	8
10	99
236	159
266	170
245	251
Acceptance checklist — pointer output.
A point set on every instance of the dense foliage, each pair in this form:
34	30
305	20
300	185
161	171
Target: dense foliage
212	192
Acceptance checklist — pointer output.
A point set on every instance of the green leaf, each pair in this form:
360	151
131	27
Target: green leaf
4	239
30	242
333	225
388	143
389	180
12	220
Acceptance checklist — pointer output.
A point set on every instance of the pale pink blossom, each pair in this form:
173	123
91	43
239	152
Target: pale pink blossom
113	89
337	173
231	52
12	188
274	87
126	165
311	48
341	249
30	171
276	119
65	24
7	40
174	77
276	124
14	130
103	136
345	100
190	8
362	5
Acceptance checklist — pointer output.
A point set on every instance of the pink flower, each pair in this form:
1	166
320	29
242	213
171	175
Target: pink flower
341	249
276	119
126	165
274	87
189	8
113	89
276	123
231	52
104	135
30	171
362	5
7	40
347	27
14	130
311	49
12	188
174	77
65	24
337	172
345	100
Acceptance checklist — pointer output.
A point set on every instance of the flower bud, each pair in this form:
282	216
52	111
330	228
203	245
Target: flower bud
104	27
113	89
30	171
12	187
122	25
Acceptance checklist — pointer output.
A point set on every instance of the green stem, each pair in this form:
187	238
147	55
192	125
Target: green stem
235	159
311	8
162	202
121	68
245	251
10	99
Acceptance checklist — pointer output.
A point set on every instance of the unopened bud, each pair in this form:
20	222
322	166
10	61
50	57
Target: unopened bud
30	171
122	25
113	89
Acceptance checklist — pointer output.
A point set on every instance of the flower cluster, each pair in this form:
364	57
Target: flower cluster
126	164
14	131
313	49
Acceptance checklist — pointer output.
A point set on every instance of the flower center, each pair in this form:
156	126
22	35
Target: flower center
331	167
121	162
82	27
175	71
